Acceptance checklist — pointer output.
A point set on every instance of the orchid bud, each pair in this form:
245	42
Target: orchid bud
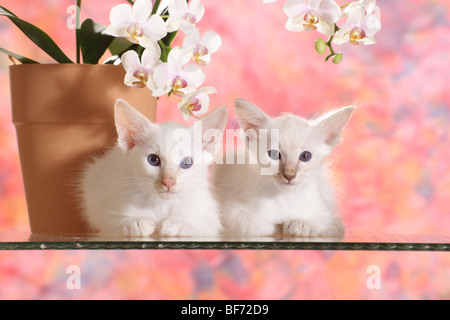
320	45
337	58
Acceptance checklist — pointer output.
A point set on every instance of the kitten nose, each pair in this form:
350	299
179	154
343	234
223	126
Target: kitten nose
289	177
169	183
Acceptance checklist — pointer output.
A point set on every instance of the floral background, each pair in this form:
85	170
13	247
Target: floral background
391	169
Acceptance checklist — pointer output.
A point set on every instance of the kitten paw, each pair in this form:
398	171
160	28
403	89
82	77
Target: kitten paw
142	227
298	228
302	228
173	228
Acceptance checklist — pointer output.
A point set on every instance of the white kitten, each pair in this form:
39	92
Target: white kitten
155	182
286	190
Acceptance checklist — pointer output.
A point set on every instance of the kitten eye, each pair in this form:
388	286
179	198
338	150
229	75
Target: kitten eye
186	162
154	160
274	154
305	156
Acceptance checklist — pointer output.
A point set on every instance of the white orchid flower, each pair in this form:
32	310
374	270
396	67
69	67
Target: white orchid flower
173	77
195	102
136	23
369	6
140	73
363	22
199	49
310	15
179	11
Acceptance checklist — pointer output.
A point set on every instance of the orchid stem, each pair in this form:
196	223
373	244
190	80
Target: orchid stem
156	6
329	45
77	31
130	2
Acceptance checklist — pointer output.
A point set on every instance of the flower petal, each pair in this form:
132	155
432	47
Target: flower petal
162	81
130	61
155	28
371	25
212	41
142	9
330	10
295	25
119	31
193	75
121	14
315	4
153	87
192	34
189	28
201	91
377	12
368	41
162	76
177	8
202	98
325	26
185	113
197	9
356	15
295	8
341	37
190	41
151	56
173	23
175	61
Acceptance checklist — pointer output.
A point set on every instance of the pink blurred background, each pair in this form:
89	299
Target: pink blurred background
391	169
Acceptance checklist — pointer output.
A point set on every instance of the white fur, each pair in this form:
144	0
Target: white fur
253	204
123	195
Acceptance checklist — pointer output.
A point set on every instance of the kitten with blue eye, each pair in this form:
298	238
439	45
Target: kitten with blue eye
155	181
281	188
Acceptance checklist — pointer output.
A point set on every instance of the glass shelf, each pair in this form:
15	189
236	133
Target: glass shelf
28	241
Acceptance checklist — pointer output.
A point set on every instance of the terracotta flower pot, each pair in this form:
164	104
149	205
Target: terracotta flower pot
63	114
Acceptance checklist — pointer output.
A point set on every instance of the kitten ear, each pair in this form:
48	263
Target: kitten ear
132	127
331	124
251	119
213	126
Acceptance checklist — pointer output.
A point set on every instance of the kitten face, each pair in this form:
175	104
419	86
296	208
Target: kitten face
164	162
170	157
297	154
293	147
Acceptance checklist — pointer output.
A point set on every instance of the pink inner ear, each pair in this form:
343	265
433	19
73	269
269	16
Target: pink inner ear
130	142
255	126
331	138
128	135
208	144
131	127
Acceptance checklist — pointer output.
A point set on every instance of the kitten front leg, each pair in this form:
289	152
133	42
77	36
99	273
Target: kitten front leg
248	224
194	226
172	227
140	227
330	227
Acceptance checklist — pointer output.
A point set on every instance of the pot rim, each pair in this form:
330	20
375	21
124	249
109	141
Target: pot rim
63	65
